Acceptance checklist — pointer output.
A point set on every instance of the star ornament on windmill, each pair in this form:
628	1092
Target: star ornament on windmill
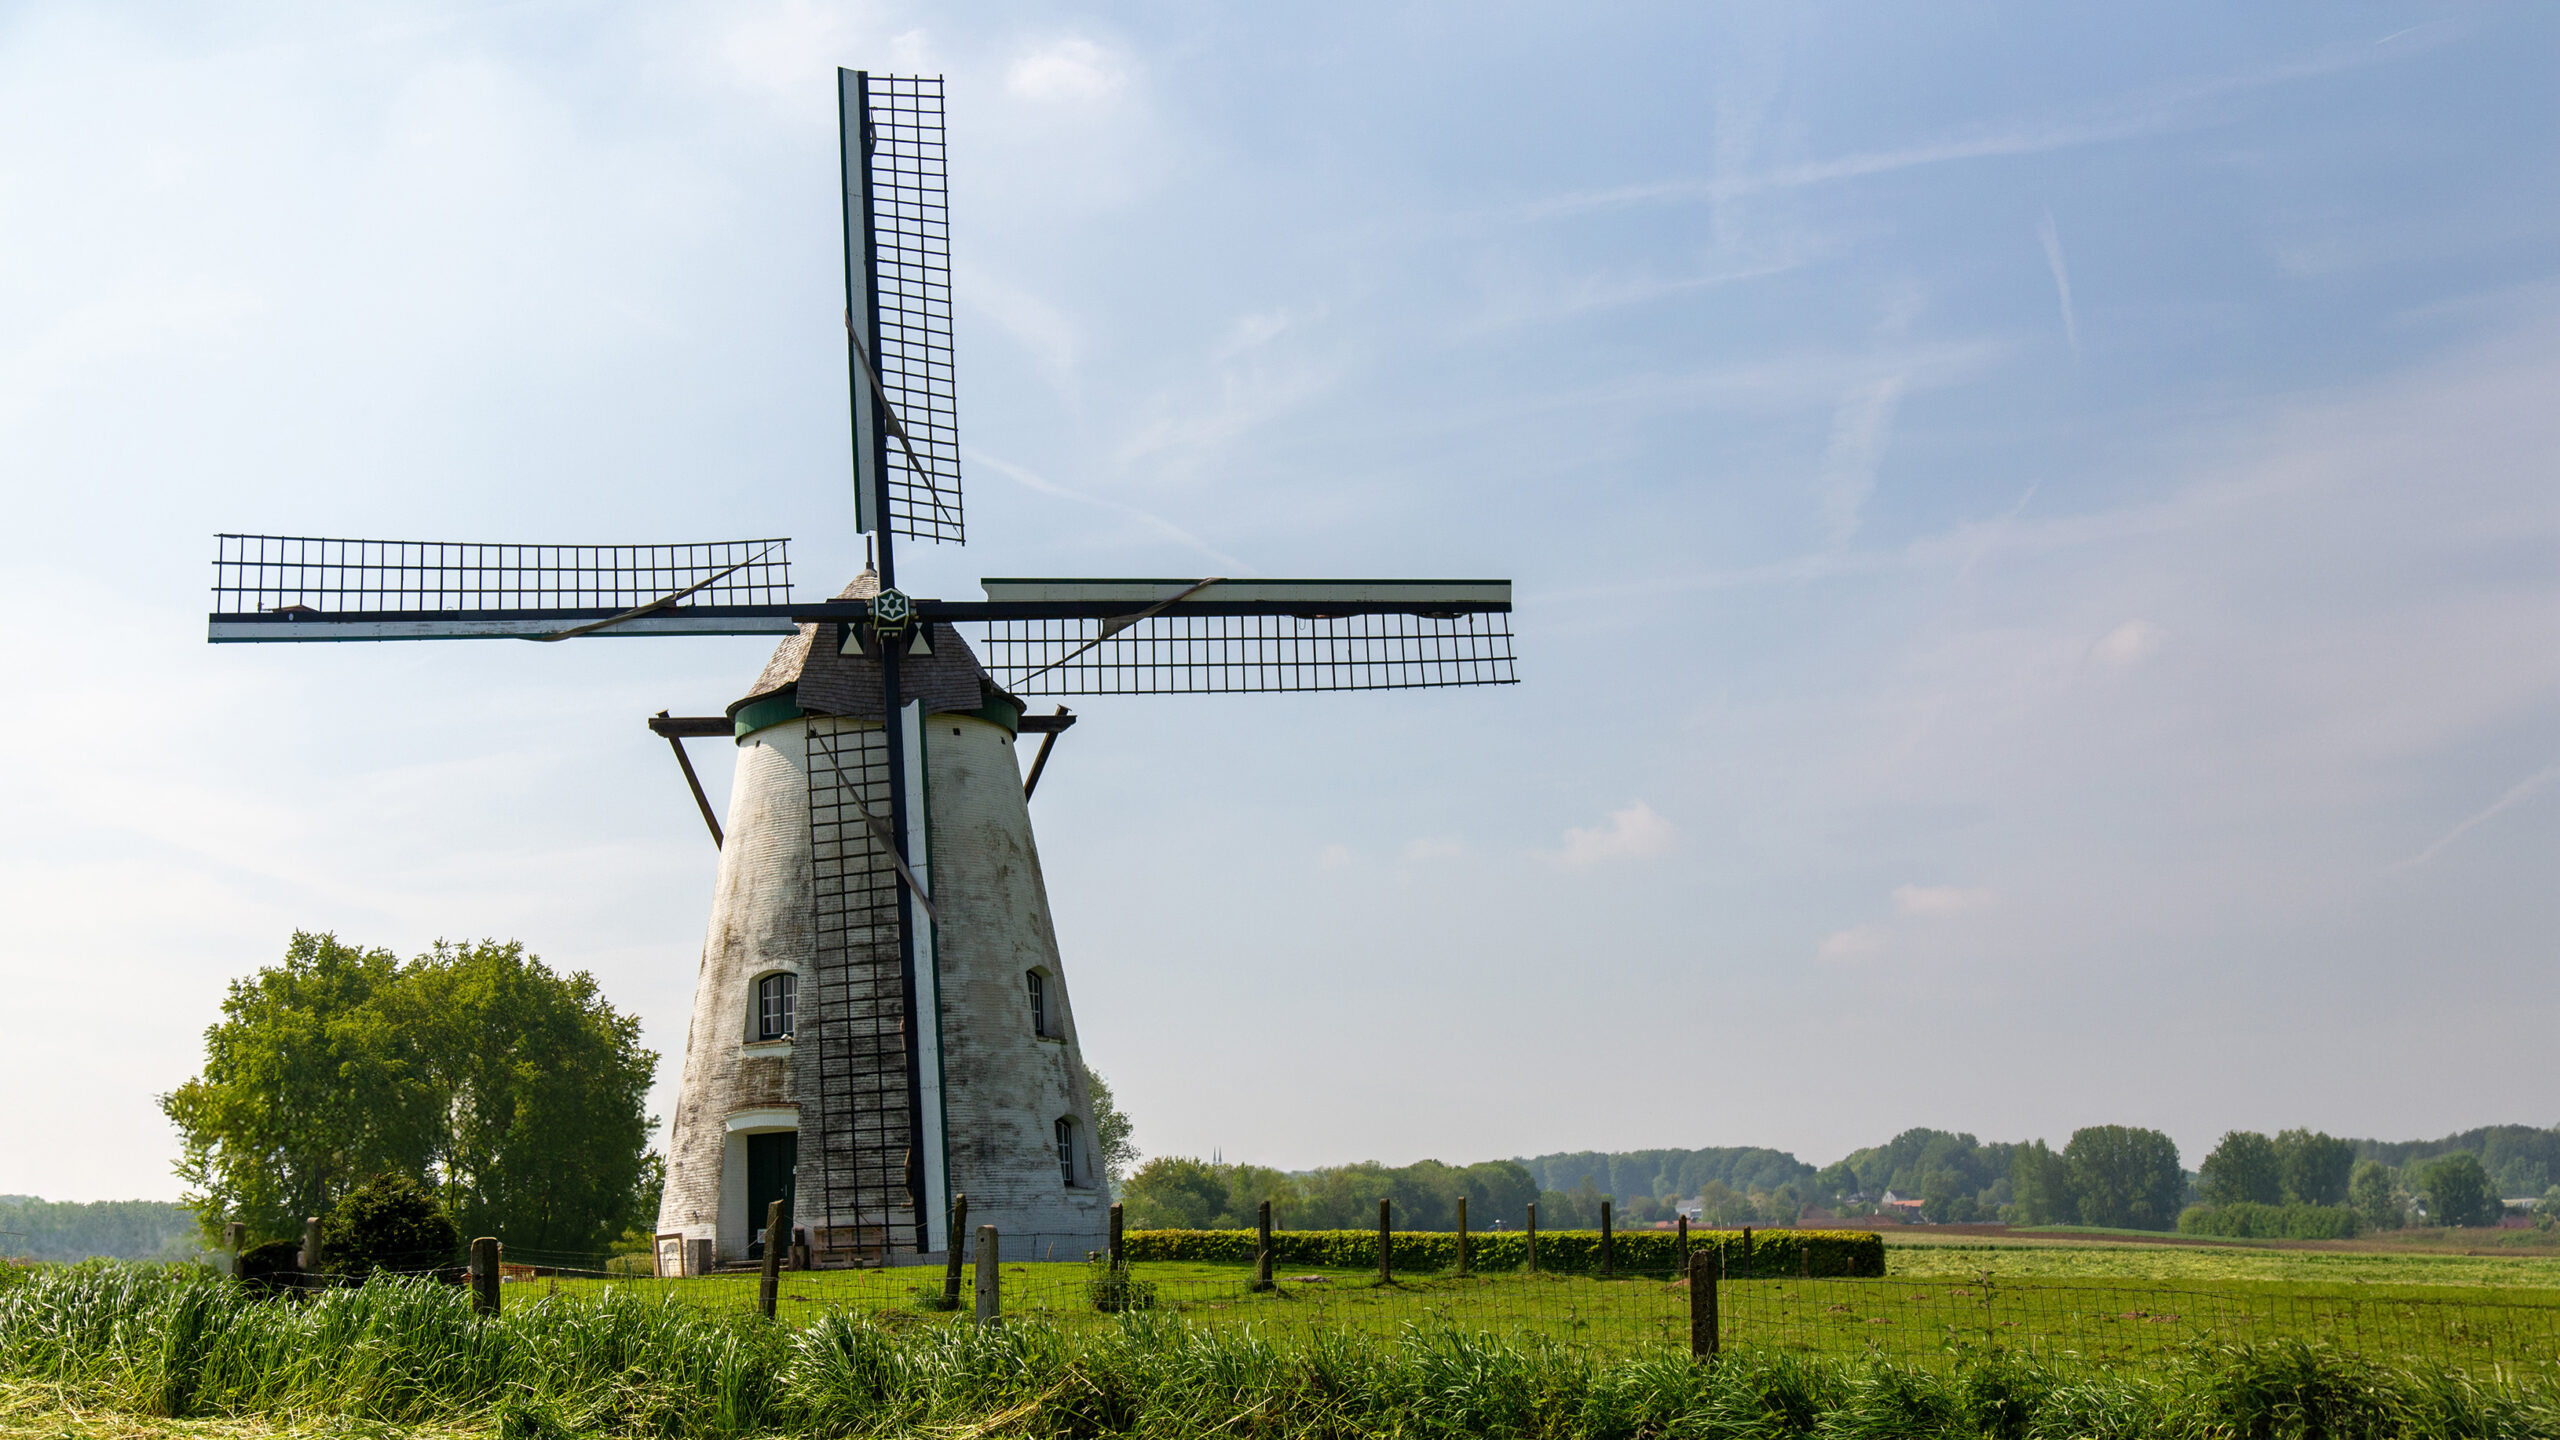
881	1021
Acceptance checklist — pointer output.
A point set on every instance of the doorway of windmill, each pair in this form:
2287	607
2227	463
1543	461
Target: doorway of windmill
771	1157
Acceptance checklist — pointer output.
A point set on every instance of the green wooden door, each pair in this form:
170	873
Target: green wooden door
770	1161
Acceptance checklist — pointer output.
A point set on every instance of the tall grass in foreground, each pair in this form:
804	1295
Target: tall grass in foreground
176	1341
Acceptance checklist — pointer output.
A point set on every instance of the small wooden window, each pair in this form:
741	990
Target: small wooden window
1067	1150
1039	984
775	997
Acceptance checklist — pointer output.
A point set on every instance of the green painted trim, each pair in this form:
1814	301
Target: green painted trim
763	714
1001	711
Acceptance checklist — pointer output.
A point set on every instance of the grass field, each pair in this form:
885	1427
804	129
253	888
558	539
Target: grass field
2103	1304
86	1352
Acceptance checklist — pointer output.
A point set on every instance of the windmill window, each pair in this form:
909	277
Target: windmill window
1067	1150
1038	981
776	997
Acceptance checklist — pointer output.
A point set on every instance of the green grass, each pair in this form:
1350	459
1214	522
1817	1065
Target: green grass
82	1346
2083	1315
2051	1259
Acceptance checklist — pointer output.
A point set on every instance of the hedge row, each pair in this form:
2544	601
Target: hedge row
1854	1253
2272	1222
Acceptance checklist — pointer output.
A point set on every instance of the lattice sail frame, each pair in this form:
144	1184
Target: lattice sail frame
306	587
1249	654
896	191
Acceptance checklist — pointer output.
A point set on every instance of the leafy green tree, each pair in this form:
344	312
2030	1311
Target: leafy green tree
300	1095
515	1093
2374	1193
2040	1187
1175	1192
1111	1130
2316	1167
2457	1191
2125	1176
2246	1168
390	1222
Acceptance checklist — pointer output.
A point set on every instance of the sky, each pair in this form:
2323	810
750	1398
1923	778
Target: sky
2036	535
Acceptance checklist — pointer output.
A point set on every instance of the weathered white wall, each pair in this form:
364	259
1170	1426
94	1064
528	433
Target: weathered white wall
1005	1086
760	922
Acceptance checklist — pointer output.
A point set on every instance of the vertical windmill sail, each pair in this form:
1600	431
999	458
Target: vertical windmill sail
897	248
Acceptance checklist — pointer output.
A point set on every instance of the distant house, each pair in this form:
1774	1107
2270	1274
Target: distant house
1694	1210
1901	1207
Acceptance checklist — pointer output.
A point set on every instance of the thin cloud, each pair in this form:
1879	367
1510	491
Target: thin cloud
2128	644
1433	849
1633	833
2061	280
1938	902
1029	480
2174	108
1858	942
2516	795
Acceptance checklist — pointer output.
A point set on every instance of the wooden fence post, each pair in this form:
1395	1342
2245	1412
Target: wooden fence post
1119	1252
236	1236
308	1260
1684	1242
769	1284
988	1307
1804	1259
1462	1235
1386	1276
1262	1246
1705	1267
484	1274
951	1245
1533	1237
1608	1246
1748	1267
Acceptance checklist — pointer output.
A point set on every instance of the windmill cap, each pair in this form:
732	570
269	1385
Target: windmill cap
805	677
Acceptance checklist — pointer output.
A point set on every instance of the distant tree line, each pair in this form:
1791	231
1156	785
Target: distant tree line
2114	1176
33	1229
509	1093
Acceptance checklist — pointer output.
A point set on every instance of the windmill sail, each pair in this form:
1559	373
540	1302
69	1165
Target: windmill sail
300	587
897	226
1187	637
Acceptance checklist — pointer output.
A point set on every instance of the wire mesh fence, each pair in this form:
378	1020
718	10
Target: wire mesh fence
2107	1323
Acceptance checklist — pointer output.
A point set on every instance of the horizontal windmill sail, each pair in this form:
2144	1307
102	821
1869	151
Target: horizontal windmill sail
1198	637
300	587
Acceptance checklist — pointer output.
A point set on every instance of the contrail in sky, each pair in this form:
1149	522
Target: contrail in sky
2515	794
2061	280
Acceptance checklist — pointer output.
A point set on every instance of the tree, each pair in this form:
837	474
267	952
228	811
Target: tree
2457	1191
513	1092
1111	1131
2316	1167
297	1099
2245	1169
2040	1187
392	1223
1174	1192
2125	1176
2375	1193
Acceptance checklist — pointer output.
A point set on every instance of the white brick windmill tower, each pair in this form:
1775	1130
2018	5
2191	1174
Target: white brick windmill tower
881	1021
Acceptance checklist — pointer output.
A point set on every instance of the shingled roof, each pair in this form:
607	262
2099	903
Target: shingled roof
950	680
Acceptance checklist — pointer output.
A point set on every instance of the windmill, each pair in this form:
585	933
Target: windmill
875	862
